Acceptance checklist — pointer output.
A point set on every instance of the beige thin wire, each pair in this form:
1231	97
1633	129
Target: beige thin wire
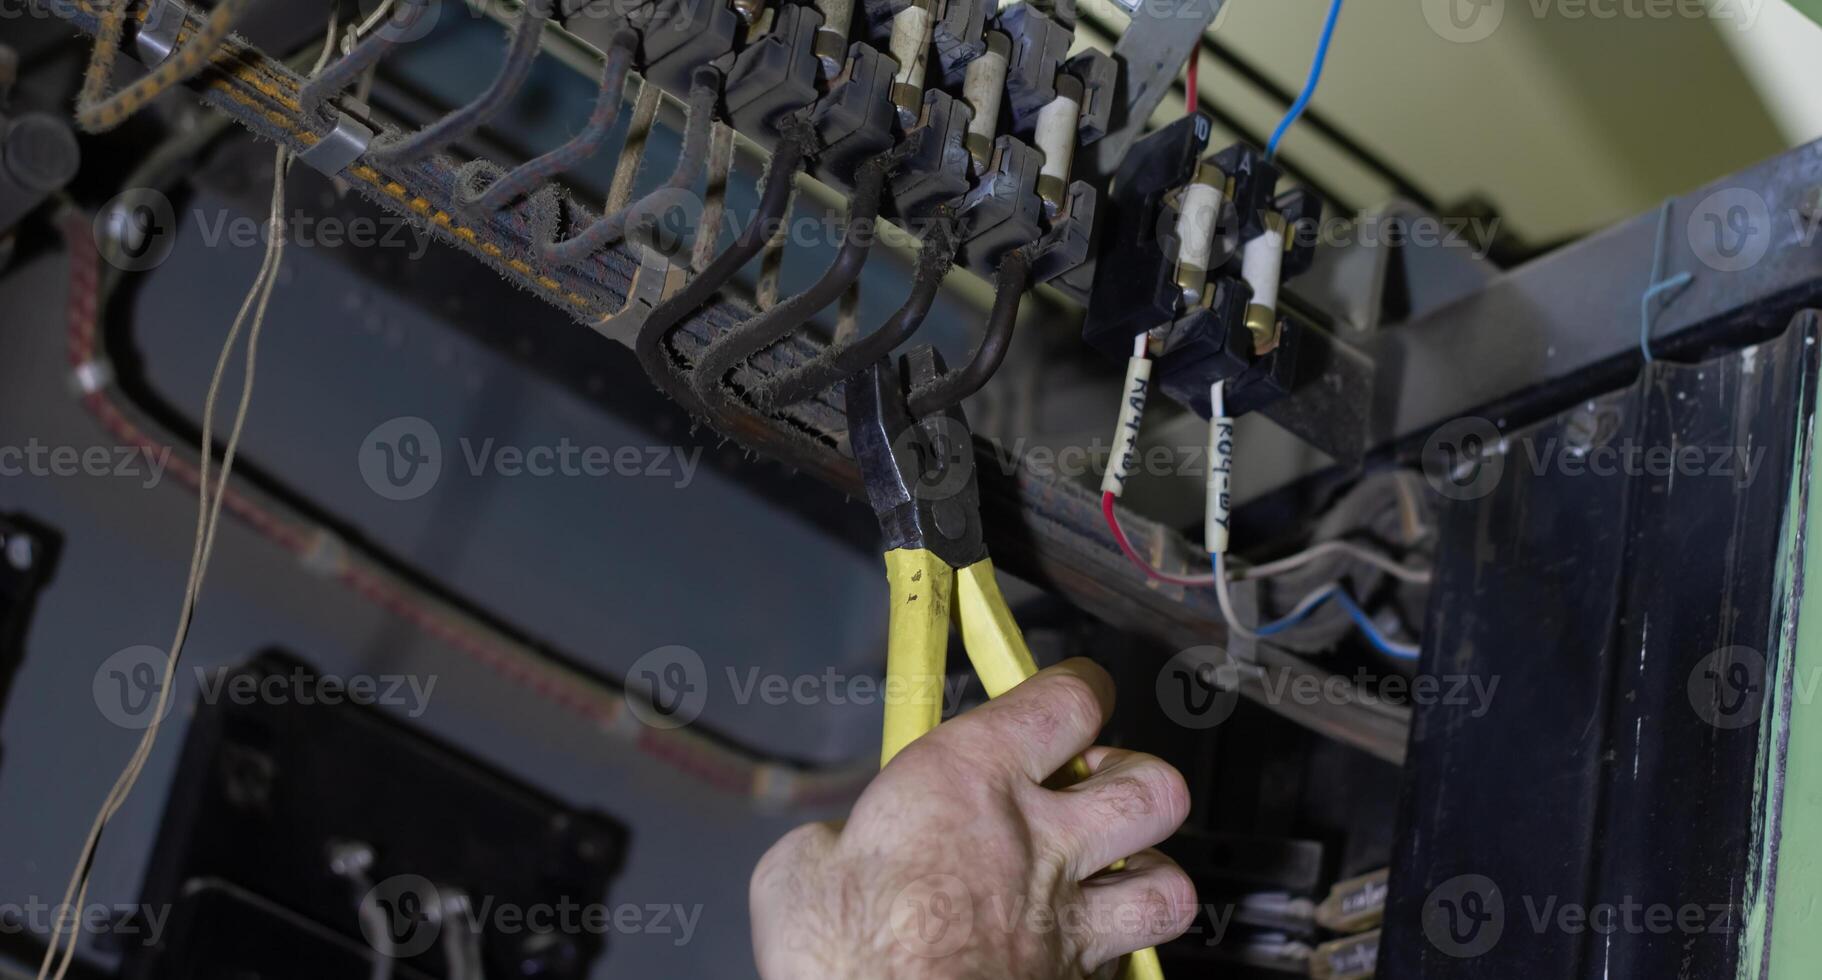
1272	569
208	516
379	13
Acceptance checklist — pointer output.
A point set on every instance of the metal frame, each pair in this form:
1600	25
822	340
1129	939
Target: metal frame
1049	530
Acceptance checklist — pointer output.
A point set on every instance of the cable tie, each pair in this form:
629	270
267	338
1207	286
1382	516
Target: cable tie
157	37
326	555
91	376
774	786
625	723
338	150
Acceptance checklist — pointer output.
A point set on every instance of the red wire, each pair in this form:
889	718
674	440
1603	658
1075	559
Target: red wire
1119	535
1189	82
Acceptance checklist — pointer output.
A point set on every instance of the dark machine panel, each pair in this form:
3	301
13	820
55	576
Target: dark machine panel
28	556
273	828
1618	570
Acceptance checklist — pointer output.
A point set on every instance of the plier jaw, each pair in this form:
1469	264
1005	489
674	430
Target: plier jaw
919	473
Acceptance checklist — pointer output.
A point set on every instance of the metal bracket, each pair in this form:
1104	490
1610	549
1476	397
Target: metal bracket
338	150
157	37
1151	54
653	282
91	376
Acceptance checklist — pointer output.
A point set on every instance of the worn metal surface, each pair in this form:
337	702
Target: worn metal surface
1566	326
1151	54
1617	572
1782	940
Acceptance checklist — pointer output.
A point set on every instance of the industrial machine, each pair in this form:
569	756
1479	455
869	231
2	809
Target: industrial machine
527	525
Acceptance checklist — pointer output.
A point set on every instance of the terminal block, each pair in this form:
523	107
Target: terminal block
1202	245
1137	290
775	74
1100	76
960	37
855	119
937	170
1070	239
681	35
1251	182
995	145
1003	210
1039	45
1301	209
1212	344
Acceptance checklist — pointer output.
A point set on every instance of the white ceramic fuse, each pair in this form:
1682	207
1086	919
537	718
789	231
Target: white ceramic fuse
1197	215
1056	136
983	86
1260	265
910	47
831	43
1196	225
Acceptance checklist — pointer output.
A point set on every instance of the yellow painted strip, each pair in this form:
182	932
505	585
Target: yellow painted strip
995	646
1003	660
922	586
393	188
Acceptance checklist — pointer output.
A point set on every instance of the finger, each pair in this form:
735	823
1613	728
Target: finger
1150	903
1100	755
1038	726
1132	802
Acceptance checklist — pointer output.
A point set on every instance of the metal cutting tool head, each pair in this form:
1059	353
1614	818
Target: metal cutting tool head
919	473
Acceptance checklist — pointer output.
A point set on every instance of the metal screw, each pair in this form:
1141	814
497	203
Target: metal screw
21	552
351	858
1580	431
1810	206
546	954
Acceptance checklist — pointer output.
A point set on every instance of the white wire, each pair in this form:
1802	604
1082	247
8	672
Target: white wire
1217	401
378	14
208	516
1226	600
1271	569
1217	398
328	42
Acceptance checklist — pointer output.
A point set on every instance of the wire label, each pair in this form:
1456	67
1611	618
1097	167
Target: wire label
1126	431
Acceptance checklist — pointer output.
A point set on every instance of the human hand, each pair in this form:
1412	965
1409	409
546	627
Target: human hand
957	862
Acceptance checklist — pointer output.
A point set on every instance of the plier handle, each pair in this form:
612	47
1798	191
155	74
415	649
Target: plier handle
920	479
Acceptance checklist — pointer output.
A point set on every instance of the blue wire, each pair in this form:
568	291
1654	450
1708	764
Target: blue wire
1659	286
1310	604
1314	601
1389	647
1309	87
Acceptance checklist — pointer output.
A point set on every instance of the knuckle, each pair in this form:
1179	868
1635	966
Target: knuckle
1053	855
806	838
923	754
934	771
1075	700
1096	675
927	755
1147	788
1167	790
1179	900
1155	911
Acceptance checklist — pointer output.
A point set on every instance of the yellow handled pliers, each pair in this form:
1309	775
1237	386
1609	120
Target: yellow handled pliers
920	479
